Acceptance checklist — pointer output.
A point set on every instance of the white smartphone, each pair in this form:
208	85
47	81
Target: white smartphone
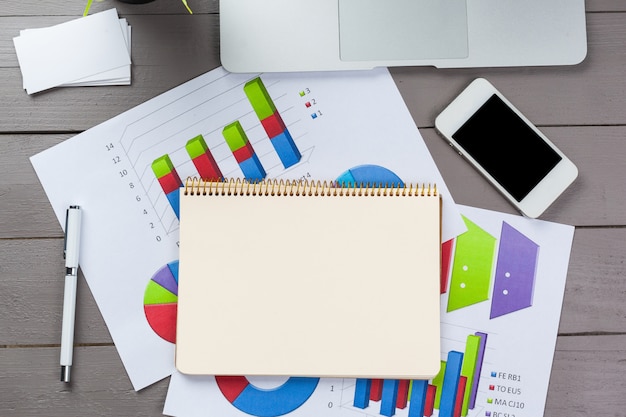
506	148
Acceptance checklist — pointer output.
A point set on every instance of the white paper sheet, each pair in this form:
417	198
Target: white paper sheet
338	121
71	51
514	371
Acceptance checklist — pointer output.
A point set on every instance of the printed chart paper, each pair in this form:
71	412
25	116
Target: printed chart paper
125	174
500	317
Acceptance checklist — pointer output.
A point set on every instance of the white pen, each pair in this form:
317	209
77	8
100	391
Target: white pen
70	253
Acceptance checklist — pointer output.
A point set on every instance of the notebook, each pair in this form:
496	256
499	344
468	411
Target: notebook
302	35
304	278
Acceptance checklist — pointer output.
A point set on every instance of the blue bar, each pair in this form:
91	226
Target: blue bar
390	397
362	393
252	169
450	384
418	398
174	199
286	149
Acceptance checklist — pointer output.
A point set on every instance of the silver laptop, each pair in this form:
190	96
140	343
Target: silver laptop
305	35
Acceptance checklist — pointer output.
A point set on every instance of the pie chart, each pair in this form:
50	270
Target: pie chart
160	301
263	402
374	175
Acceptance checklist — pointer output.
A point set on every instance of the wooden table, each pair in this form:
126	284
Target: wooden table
581	108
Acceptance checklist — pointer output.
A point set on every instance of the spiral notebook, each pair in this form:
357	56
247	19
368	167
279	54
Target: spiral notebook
308	279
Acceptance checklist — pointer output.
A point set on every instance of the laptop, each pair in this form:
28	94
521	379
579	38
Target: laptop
304	35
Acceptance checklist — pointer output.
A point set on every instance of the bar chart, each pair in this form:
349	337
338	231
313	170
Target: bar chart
235	137
452	392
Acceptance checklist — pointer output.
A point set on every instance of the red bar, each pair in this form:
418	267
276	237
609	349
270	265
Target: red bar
244	153
460	394
403	394
273	125
446	258
376	391
429	407
207	167
170	182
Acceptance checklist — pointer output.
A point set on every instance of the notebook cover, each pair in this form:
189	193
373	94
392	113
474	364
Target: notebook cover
344	286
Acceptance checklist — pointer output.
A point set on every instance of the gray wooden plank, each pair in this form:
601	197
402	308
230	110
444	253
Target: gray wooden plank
156	39
605	5
31	296
24	207
74	8
30	386
593	200
31	290
591	93
587	379
595	290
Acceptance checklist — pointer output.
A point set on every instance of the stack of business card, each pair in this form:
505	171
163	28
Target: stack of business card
90	51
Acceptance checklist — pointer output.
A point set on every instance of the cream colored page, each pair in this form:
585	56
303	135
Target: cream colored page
320	286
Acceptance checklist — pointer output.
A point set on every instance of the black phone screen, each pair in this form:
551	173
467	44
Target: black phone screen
506	147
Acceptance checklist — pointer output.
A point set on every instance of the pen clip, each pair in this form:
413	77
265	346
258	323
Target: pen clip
67	227
67	216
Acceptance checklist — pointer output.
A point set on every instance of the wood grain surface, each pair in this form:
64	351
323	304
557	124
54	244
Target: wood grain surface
581	108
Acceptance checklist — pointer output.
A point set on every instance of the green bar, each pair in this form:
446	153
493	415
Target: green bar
162	166
259	98
468	369
438	382
235	137
196	147
471	271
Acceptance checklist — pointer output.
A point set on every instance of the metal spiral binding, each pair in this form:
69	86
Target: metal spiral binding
239	187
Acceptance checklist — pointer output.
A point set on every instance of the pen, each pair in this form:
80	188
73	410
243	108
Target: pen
70	253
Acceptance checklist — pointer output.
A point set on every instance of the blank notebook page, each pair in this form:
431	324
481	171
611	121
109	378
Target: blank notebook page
276	280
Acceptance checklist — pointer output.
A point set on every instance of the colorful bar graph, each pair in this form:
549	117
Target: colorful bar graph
203	160
169	180
515	272
272	122
452	391
243	152
472	266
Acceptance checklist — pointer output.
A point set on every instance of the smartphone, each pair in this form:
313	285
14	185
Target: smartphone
506	148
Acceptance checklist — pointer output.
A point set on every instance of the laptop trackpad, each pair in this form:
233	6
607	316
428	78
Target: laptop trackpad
374	30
